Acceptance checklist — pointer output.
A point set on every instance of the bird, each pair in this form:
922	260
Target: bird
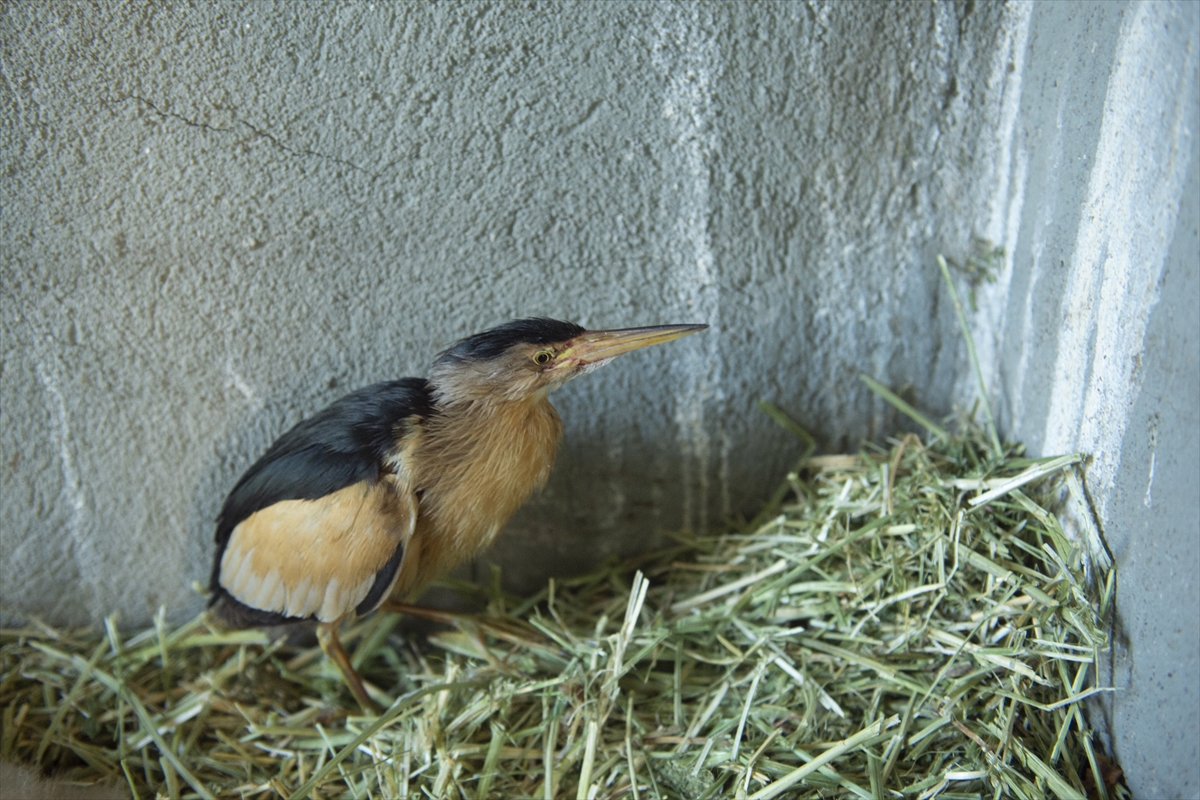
360	506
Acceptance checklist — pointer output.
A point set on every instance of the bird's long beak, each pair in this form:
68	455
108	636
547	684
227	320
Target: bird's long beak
592	348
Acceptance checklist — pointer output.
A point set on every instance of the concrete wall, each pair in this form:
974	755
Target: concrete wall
1092	333
219	219
216	220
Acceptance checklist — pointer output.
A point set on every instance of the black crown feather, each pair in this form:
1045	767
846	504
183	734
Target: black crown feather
492	343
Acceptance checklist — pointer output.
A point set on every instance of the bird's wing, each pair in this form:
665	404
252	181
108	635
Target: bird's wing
321	558
317	527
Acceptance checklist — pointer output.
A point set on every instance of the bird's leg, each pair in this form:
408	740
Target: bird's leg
420	612
327	635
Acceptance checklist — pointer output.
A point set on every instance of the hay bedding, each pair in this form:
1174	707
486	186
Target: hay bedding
901	623
911	623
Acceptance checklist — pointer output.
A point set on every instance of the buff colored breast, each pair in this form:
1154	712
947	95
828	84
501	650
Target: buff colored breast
486	466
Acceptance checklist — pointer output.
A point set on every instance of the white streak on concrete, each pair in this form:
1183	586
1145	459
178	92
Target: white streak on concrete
1148	500
1126	226
1008	67
686	53
246	390
1042	226
1012	226
1002	215
86	558
1011	237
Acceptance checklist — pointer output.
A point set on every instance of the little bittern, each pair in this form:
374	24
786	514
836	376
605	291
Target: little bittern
397	483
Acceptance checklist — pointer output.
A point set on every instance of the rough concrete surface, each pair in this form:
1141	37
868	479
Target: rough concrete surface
214	220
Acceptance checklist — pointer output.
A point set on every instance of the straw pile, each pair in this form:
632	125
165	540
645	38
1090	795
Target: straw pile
910	623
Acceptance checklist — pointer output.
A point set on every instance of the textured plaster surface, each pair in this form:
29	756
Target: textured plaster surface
1092	334
218	219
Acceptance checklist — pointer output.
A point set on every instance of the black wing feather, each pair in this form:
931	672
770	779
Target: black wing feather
339	446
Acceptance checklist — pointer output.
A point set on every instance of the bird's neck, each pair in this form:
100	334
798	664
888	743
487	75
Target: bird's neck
478	461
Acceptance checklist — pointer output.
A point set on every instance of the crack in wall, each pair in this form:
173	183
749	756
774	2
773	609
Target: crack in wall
257	133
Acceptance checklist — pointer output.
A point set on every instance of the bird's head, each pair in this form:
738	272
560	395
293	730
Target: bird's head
527	358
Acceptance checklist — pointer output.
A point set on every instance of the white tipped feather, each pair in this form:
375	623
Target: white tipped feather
316	594
330	607
263	591
278	599
229	562
239	577
361	592
245	571
298	600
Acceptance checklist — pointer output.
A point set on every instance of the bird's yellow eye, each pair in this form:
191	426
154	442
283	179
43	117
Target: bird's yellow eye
542	357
